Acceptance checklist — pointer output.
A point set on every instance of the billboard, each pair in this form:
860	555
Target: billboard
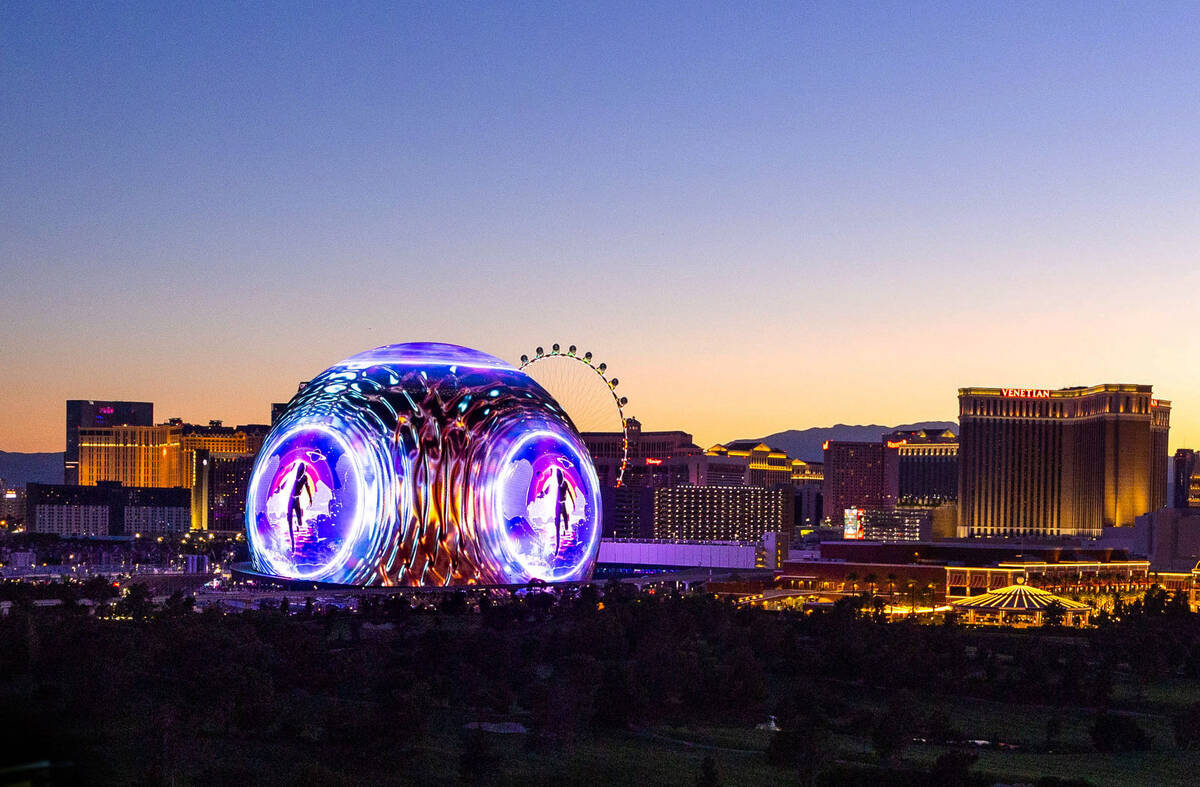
852	526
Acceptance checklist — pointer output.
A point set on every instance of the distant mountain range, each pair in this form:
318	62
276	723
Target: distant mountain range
20	469
806	443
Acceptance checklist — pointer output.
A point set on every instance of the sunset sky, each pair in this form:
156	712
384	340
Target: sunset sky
762	216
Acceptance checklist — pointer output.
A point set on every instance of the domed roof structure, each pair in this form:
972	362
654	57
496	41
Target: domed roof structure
422	353
1021	598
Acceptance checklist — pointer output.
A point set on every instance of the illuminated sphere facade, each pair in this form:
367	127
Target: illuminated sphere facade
423	465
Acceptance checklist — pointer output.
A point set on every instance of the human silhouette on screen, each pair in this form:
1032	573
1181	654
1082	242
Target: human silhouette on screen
300	485
561	514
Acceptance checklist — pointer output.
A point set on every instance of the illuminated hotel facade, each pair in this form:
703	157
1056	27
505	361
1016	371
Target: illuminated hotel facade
170	455
139	456
216	439
92	414
928	466
219	489
1067	462
721	513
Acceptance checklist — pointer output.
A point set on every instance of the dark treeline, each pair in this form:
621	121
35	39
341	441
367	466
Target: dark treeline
96	589
145	695
52	550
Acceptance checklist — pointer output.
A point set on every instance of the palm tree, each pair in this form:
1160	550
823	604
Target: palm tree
931	594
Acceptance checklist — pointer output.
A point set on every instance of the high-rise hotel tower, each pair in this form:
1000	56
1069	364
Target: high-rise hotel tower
1065	462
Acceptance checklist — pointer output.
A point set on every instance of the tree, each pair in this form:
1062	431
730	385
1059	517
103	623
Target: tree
805	749
889	736
708	773
178	605
620	700
136	602
478	760
953	769
1054	613
1179	606
98	589
1186	726
454	603
589	597
1113	733
397	608
1102	683
1053	730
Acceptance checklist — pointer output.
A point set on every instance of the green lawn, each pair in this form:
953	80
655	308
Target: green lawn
1121	770
1165	694
1025	725
621	759
739	738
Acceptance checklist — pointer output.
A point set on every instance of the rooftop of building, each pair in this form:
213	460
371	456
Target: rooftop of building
1019	597
212	428
128	427
70	493
974	552
851	444
1072	392
757	446
633	428
918	436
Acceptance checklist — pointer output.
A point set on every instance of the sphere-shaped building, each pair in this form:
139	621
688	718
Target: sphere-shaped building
423	465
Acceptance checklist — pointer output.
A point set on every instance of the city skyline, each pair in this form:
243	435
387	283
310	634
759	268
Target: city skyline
763	220
261	416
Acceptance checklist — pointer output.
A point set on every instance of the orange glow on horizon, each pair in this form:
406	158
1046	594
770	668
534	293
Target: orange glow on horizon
699	397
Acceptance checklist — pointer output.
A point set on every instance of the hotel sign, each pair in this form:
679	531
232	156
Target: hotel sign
1026	393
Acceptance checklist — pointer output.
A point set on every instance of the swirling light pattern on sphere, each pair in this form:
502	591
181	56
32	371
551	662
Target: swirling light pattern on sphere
423	464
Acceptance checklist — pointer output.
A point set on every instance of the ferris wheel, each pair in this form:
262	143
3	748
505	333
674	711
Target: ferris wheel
585	392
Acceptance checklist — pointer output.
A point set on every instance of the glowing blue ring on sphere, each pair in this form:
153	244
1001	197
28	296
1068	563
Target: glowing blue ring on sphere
329	569
516	556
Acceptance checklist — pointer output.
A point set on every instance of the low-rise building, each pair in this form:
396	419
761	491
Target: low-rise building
106	509
897	524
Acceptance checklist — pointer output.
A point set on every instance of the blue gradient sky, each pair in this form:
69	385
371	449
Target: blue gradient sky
762	216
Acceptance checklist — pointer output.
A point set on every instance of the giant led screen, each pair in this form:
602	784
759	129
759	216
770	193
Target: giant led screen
423	465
